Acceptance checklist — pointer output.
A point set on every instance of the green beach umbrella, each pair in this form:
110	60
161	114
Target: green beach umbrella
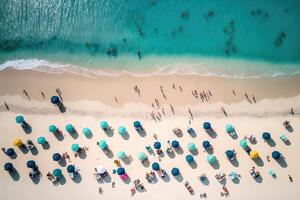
41	140
52	128
122	130
57	172
104	124
121	154
192	146
243	144
86	132
142	156
75	147
19	119
102	144
211	159
70	128
229	128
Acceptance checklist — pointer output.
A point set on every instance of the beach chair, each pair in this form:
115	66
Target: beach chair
232	175
272	173
283	137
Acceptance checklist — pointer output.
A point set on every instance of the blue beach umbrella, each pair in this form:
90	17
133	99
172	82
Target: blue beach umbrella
175	171
57	172
155	166
70	128
56	156
70	168
52	128
206	125
276	155
205	144
157	145
137	124
189	158
41	140
229	154
86	132
8	166
121	154
30	164
122	130
102	144
103	124
192	146
229	128
211	159
120	171
10	151
142	156
75	147
266	136
175	144
19	119
54	99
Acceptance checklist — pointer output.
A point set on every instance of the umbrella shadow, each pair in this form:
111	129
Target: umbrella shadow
259	162
193	164
58	135
90	135
142	133
34	151
193	133
13	156
24	149
234	162
171	155
290	129
234	135
62	162
282	163
211	133
26	128
161	155
46	146
179	134
179	150
109	132
62	108
216	165
82	155
271	142
195	152
127	181
236	181
36	179
179	178
146	163
259	179
62	179
109	153
77	178
287	142
74	134
14	174
209	150
107	178
125	136
126	160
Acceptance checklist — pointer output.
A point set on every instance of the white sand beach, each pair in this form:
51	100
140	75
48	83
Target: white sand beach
89	101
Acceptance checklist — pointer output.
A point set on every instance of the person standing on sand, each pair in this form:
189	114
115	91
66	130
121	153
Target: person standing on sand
43	95
223	110
173	86
253	97
58	91
292	111
290	178
172	109
26	94
180	88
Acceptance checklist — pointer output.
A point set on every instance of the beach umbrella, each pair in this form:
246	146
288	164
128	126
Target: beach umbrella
229	154
142	156
120	171
19	119
8	166
175	171
175	144
243	144
57	172
70	168
41	140
192	146
189	158
229	128
75	147
121	154
102	144
52	128
266	136
103	124
211	159
10	151
30	164
157	145
137	124
17	142
206	125
86	132
254	154
205	144
56	156
54	99
276	155
122	130
101	169
155	166
70	128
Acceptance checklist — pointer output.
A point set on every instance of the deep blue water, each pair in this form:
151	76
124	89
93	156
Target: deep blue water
106	33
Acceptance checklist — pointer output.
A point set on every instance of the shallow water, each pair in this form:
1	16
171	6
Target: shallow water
151	35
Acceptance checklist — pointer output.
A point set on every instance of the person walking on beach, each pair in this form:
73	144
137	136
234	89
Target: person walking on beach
292	111
58	91
173	86
223	110
43	95
233	92
191	114
172	109
6	106
290	178
116	100
253	97
26	94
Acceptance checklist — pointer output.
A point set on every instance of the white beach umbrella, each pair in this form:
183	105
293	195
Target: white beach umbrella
101	169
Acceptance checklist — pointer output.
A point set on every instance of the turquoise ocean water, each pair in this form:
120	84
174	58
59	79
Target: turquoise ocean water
212	37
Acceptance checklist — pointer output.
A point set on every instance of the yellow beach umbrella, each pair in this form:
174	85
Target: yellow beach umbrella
254	154
17	142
